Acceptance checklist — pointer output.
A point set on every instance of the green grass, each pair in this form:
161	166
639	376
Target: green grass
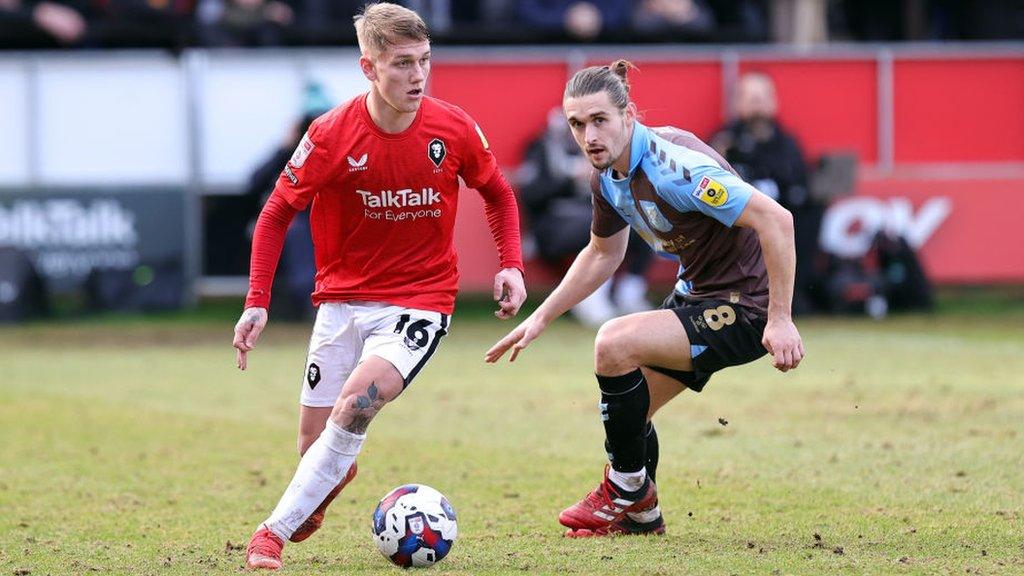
135	447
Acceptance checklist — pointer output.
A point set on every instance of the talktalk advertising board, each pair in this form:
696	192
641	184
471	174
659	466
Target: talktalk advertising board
69	234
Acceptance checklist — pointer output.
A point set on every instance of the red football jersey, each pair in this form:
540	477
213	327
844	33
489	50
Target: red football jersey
383	213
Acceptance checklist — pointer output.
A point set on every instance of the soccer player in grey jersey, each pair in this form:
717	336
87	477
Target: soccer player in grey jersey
730	305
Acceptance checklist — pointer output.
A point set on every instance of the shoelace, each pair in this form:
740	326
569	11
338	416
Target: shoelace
266	545
601	496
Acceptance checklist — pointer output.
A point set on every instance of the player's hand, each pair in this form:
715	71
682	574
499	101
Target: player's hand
509	292
247	332
782	340
517	339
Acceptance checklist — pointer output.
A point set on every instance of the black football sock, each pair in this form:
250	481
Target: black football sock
651	440
625	401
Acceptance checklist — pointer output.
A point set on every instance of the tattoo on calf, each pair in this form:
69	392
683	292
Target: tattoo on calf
359	424
365	407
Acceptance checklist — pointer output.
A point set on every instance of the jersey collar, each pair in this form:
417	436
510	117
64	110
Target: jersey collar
637	148
364	111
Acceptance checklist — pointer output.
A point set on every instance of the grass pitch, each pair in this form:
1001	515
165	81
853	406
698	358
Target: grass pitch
136	447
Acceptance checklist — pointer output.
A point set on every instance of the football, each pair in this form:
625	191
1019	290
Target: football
414	526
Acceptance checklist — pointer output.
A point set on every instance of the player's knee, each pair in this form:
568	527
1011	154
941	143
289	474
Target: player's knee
612	352
355	410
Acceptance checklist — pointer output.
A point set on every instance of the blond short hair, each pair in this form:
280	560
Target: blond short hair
381	25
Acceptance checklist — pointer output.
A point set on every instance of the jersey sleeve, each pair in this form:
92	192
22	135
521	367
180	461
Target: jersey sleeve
713	191
479	164
308	169
606	221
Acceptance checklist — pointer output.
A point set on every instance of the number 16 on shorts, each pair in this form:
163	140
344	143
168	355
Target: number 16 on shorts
347	333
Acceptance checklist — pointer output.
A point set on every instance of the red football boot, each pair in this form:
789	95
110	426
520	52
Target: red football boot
607	505
312	524
625	527
264	550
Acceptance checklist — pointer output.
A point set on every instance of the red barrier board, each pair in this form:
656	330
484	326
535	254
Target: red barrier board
829	105
510	102
685	95
966	231
959	111
944	110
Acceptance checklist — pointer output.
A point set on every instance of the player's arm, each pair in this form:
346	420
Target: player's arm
304	173
267	243
594	265
480	170
502	214
774	227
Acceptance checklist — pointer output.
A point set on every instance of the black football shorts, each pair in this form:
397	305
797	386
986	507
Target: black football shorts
721	335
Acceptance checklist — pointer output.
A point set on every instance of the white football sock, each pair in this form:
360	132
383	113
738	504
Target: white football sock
629	481
321	469
645	516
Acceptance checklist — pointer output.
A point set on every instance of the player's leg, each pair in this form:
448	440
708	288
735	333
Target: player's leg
662	388
334	350
312	421
398	342
330	460
622	346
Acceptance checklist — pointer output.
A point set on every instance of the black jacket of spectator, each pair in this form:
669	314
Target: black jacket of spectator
770	159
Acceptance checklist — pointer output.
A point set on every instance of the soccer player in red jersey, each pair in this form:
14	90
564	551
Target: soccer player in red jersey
731	305
382	173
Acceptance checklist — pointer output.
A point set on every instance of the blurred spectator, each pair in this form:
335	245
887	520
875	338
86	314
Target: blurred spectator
146	23
27	24
554	186
673	20
769	157
583	20
178	24
740	20
872	20
295	277
883	21
244	22
326	21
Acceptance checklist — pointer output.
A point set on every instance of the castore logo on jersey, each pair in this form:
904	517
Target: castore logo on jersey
357	165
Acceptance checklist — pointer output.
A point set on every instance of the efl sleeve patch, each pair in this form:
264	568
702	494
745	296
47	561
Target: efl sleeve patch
302	151
711	192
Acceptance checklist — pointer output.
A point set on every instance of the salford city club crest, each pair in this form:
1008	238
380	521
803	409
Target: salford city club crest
655	219
436	151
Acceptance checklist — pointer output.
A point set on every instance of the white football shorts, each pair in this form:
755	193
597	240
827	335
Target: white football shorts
345	333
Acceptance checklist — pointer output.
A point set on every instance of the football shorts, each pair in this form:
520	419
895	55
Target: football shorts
721	335
345	333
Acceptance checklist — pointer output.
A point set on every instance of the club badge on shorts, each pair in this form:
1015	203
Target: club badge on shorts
436	151
313	375
711	192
